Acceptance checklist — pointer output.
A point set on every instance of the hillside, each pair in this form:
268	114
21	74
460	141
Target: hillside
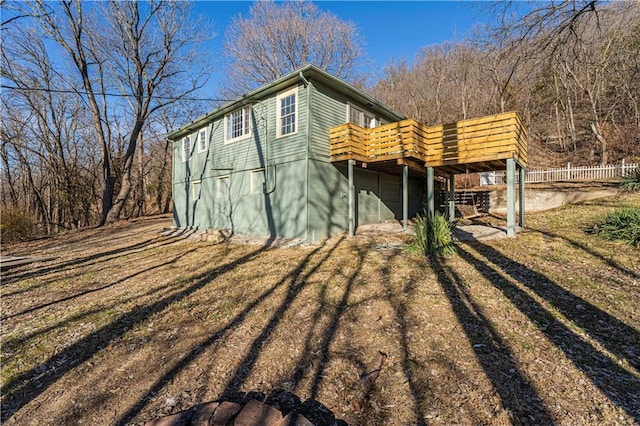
126	325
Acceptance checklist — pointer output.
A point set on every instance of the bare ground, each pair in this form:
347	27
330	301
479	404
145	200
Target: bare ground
126	325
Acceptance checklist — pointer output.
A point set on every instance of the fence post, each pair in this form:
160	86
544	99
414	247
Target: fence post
568	171
622	169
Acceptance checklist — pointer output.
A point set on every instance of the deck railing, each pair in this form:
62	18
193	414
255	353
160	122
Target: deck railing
489	138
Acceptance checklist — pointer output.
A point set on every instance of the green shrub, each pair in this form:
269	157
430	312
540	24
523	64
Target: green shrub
419	243
17	225
622	225
632	180
433	237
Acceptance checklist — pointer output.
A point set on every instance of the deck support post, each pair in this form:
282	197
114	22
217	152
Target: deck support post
511	197
521	196
452	197
431	209
351	195
405	196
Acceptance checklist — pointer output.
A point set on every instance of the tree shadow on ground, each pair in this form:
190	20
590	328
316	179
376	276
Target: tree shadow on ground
330	331
297	281
93	290
28	385
9	344
581	246
516	392
615	381
92	259
398	302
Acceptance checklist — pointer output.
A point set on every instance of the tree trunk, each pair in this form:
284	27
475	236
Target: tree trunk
604	154
141	192
125	186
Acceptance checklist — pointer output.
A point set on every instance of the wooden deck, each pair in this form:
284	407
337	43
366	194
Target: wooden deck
476	145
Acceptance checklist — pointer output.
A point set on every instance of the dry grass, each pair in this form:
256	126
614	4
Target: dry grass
126	325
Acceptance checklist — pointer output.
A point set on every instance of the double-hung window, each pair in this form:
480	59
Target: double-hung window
257	181
360	117
186	149
286	112
196	188
202	140
236	125
222	186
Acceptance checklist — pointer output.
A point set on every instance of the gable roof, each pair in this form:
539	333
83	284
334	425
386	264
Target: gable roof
309	72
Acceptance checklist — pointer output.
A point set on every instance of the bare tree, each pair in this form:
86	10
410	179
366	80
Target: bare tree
276	39
570	68
42	139
146	52
579	41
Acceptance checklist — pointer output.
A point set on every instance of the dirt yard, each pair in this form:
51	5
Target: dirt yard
126	325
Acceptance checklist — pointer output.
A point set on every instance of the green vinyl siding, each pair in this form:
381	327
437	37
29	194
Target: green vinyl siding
328	208
237	208
367	197
280	212
391	197
328	109
254	151
196	167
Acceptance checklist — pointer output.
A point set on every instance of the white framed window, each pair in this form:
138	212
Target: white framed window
202	140
236	125
222	186
186	149
196	188
360	117
257	181
287	112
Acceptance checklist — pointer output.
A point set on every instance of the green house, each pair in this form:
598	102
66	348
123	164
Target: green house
261	165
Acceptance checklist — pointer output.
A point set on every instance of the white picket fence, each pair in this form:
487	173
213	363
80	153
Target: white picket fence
580	173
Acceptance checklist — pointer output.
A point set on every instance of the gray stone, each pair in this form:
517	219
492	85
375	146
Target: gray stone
256	413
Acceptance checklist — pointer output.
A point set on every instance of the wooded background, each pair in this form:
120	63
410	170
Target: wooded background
89	91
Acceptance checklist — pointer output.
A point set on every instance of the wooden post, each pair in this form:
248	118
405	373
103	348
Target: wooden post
511	195
405	196
431	209
622	169
521	198
351	198
568	171
452	197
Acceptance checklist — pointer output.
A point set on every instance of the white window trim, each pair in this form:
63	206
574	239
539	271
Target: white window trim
196	185
259	189
219	193
366	112
183	141
206	144
279	96
226	121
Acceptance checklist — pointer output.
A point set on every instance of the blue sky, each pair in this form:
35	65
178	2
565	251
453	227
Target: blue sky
392	30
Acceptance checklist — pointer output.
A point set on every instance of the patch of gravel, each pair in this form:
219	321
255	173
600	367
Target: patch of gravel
479	232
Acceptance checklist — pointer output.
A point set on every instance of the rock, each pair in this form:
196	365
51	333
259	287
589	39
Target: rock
224	413
202	413
283	401
179	419
256	413
294	419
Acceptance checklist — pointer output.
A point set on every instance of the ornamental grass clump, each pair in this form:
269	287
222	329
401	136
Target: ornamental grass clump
632	180
621	225
433	237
